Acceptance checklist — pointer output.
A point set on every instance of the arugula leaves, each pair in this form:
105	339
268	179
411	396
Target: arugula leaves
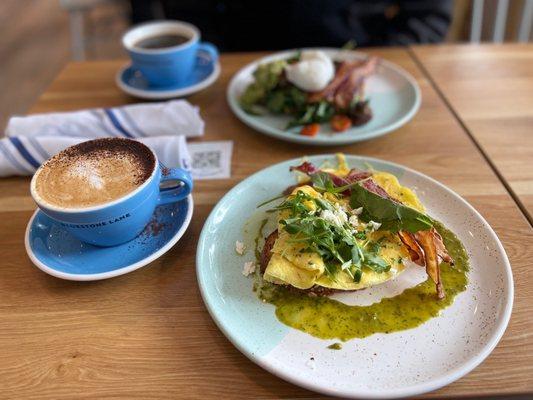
323	182
285	100
312	112
392	216
336	243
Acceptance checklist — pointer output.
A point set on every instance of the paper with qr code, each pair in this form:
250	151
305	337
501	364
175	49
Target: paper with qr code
210	160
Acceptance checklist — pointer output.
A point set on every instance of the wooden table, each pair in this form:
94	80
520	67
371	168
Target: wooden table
147	334
490	89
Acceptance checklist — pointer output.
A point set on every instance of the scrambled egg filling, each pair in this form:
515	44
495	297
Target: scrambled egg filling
291	264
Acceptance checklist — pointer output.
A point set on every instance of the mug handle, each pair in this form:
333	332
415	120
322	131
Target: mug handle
210	50
173	194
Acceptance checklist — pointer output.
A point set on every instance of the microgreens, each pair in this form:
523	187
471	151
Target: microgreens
336	243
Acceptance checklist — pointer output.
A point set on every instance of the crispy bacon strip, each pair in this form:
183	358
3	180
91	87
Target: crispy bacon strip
415	251
346	81
442	252
348	90
355	84
341	75
427	249
426	240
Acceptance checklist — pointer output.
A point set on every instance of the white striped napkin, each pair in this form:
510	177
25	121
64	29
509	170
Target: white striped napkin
164	126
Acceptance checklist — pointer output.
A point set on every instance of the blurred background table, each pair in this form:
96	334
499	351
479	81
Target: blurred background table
490	89
147	334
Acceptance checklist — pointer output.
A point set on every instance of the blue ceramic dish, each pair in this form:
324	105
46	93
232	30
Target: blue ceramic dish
132	82
55	251
167	66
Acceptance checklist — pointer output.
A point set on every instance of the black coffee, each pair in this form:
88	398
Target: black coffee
162	41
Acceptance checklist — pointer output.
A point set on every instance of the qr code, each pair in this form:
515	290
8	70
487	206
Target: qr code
206	160
210	160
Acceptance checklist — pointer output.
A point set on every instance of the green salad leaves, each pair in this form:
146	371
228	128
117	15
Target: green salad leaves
271	92
393	216
339	234
336	243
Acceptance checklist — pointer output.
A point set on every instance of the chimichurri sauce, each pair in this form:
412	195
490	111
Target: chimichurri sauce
327	318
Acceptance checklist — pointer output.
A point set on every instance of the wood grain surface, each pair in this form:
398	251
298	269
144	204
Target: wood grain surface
490	88
148	335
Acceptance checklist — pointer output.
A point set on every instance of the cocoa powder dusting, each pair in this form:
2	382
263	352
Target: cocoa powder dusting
165	171
110	147
153	228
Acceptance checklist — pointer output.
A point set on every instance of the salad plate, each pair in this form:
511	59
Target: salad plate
408	362
393	96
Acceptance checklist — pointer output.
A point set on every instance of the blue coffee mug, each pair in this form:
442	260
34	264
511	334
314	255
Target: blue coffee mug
168	66
123	219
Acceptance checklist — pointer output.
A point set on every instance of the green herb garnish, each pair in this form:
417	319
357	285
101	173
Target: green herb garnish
271	200
322	182
310	113
336	242
393	216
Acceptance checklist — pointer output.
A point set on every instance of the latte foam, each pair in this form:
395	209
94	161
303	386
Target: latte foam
93	173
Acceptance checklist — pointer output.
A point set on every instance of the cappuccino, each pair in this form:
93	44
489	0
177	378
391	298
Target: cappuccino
93	173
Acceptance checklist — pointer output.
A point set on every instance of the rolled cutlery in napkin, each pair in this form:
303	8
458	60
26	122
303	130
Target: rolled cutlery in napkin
22	155
170	118
162	126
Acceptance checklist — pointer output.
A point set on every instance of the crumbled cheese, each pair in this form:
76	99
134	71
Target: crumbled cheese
357	211
342	216
328	216
249	268
373	226
336	217
240	248
353	221
339	206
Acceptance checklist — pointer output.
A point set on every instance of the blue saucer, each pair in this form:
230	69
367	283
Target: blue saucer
131	81
56	252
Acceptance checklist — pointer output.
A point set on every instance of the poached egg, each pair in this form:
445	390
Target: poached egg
312	73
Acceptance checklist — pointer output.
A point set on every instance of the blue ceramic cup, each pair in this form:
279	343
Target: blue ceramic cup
167	66
123	219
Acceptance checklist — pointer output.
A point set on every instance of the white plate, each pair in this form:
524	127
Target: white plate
399	364
393	93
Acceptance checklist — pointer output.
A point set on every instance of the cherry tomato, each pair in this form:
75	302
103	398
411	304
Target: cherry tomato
339	123
310	130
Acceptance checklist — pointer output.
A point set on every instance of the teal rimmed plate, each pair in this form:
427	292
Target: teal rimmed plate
399	364
394	98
